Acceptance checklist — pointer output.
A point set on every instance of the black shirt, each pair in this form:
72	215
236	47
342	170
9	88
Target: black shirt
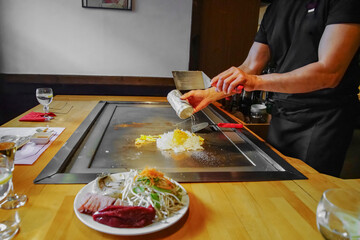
293	29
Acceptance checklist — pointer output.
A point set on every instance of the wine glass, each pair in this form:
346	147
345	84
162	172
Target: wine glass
12	200
9	221
45	97
338	214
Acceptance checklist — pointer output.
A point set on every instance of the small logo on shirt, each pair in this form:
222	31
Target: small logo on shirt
311	6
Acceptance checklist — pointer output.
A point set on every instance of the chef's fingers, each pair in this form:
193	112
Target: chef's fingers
219	84
239	78
203	104
234	84
228	81
225	77
187	95
222	75
214	80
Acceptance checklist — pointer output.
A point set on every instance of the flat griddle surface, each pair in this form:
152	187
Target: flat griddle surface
118	150
105	143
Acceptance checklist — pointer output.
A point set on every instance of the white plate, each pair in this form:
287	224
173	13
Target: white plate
154	227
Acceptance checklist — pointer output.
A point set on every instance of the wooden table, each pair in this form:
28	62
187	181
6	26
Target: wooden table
235	210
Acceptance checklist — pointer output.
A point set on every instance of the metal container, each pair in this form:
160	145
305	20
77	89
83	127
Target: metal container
182	108
258	113
190	80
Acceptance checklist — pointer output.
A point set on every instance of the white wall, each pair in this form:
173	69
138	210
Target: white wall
61	37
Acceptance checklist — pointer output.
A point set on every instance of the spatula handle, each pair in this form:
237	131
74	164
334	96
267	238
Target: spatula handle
230	125
238	89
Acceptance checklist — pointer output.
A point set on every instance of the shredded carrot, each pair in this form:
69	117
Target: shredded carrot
166	184
152	173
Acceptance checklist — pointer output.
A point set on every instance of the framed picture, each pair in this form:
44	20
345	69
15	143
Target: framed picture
108	4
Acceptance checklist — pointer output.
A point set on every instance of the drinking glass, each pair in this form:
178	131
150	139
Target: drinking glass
45	97
12	200
8	148
9	220
5	177
338	214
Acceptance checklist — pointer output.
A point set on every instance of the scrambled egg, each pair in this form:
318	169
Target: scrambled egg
146	139
180	141
179	137
177	140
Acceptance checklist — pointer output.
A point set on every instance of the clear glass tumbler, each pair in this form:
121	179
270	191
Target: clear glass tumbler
9	224
9	220
338	214
13	200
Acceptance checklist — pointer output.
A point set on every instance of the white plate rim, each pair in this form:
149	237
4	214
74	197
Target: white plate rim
154	227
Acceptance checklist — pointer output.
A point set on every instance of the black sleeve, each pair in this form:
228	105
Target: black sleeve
261	35
344	11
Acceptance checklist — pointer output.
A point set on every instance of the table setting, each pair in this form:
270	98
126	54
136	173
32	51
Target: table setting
52	211
29	141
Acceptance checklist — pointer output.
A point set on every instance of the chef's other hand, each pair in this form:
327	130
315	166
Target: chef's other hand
199	99
228	81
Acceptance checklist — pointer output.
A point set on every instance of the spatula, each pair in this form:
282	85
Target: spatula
200	126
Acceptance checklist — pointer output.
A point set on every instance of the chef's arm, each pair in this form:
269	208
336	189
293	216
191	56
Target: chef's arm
200	99
338	46
256	60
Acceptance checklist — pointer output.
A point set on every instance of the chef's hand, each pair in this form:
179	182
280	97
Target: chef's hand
229	80
200	99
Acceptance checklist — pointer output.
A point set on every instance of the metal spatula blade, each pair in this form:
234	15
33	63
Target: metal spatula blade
199	126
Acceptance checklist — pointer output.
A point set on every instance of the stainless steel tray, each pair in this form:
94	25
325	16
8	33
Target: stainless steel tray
104	142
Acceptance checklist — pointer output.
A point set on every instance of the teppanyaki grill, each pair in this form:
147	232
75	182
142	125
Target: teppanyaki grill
104	142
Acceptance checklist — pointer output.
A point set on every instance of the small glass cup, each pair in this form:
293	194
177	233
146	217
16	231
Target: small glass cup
9	220
13	200
8	149
5	177
9	224
338	214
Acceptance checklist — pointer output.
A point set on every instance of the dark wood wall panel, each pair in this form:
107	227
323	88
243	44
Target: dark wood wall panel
222	33
87	79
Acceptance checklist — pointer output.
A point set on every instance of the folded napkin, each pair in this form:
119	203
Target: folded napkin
36	117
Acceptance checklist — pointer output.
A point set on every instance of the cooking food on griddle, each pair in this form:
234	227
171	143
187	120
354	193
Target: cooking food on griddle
177	140
143	139
128	200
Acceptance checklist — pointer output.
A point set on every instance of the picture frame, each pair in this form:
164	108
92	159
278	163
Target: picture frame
108	4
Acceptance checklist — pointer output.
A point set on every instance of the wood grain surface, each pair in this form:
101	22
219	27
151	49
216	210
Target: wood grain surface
236	210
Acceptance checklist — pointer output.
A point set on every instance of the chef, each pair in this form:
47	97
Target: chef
314	47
